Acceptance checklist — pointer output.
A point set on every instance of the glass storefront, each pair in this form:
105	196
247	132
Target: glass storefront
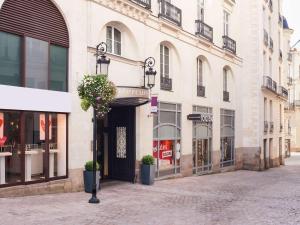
202	140
33	146
227	138
167	139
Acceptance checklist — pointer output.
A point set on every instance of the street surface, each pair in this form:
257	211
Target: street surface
236	198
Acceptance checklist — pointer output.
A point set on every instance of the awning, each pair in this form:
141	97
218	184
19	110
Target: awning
131	96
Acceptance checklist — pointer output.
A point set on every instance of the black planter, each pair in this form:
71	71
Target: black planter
88	180
147	174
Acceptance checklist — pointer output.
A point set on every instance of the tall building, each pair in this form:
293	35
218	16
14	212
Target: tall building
219	87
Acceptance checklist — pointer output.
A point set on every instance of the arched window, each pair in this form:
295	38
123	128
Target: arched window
39	57
200	83
113	40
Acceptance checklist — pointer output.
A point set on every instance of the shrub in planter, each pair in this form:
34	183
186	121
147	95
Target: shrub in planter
147	170
88	176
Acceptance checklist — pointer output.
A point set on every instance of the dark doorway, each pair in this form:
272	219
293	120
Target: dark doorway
117	144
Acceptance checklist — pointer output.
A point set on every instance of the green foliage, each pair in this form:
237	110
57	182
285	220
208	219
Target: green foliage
96	91
148	160
89	166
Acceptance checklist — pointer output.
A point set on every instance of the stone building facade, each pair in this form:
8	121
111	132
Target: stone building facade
216	88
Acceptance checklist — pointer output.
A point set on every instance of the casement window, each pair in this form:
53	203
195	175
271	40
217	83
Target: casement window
200	72
226	23
200	9
164	61
225	79
113	40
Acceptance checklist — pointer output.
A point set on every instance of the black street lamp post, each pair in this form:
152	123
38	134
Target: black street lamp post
104	64
149	72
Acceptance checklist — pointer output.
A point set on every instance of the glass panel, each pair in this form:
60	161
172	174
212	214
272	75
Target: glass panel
121	142
109	39
167	132
58	68
36	63
165	156
10	63
117	41
57	144
10	154
168	117
35	135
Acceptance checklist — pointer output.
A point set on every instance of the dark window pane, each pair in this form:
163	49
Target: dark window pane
58	68
36	65
10	63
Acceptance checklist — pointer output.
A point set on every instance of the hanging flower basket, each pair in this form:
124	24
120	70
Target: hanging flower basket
96	91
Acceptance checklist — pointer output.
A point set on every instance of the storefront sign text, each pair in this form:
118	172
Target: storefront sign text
203	118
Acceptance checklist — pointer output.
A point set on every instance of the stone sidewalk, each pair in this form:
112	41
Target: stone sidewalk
238	198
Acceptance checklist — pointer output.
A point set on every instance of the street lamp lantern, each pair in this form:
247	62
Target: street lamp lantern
103	62
149	72
101	59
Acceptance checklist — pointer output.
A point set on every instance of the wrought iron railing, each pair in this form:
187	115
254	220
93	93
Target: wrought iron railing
225	96
283	92
271	46
290	106
144	3
200	91
170	12
202	29
229	44
270	84
271	127
165	83
266	126
266	38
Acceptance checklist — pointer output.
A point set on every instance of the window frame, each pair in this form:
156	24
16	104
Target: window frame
163	57
226	19
113	40
23	59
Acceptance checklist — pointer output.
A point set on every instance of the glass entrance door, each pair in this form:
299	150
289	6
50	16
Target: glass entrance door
202	155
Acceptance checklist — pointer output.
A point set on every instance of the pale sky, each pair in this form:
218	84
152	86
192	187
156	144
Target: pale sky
291	10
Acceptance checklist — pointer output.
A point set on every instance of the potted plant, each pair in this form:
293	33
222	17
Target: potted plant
88	176
147	170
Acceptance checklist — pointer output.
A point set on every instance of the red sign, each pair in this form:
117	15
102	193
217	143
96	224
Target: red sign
3	140
1	123
165	150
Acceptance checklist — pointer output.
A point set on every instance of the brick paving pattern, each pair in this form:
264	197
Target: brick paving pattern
236	198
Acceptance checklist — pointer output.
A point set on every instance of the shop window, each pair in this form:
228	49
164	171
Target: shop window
167	139
33	146
10	154
227	138
10	59
113	40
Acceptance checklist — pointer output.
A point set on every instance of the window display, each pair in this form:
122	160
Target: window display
166	143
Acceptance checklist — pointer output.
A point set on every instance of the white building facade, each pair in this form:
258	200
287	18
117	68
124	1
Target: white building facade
212	84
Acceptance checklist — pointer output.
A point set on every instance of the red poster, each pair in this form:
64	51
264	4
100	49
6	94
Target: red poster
165	150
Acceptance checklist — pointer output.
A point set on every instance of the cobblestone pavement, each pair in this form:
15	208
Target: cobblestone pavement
239	198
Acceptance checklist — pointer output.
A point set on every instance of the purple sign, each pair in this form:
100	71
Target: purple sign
154	103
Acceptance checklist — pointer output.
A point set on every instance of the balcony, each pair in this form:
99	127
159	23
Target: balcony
270	84
225	96
271	127
289	106
144	3
271	5
290	57
280	55
271	46
281	128
290	81
266	38
229	44
203	30
165	83
283	92
266	126
170	12
200	91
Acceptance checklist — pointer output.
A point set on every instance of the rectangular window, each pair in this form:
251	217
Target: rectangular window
36	65
58	68
113	40
200	9
226	23
10	59
225	80
164	61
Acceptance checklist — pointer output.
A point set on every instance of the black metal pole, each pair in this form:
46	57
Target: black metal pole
94	198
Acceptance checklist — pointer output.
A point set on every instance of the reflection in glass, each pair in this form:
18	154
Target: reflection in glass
58	68
10	157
